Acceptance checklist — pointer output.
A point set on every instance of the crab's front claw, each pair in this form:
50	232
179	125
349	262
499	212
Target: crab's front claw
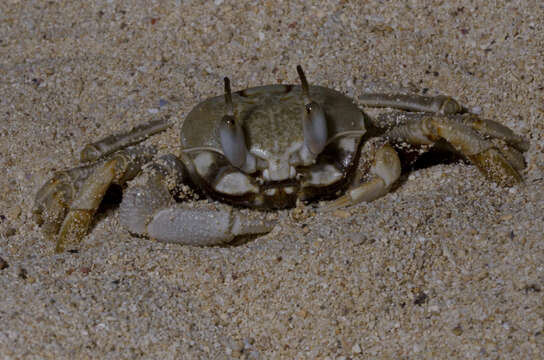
204	227
384	172
149	210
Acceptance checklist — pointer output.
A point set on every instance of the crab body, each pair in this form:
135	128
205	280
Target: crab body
271	118
266	147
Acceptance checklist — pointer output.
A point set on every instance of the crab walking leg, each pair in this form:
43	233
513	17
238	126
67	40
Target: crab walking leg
436	104
54	198
497	130
112	143
118	169
495	164
385	170
149	210
82	209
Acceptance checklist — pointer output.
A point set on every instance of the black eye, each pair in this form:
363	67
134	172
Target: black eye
228	120
309	108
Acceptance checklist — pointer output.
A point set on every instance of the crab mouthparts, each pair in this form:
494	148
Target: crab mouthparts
279	172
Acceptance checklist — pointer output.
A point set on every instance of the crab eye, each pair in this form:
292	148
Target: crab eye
233	141
314	123
315	128
232	136
228	120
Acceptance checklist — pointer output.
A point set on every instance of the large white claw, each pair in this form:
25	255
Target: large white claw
204	226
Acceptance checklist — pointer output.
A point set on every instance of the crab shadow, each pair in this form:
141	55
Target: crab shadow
442	153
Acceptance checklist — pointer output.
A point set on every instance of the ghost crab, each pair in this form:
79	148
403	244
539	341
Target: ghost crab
265	147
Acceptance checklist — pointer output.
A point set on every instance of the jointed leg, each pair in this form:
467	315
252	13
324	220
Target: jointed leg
66	204
489	145
445	105
112	143
493	129
494	148
54	198
435	104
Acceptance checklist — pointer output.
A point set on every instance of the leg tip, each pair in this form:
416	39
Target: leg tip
496	168
73	229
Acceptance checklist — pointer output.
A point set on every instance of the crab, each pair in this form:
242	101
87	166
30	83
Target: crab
265	148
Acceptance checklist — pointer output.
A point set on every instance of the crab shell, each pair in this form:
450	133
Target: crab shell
271	118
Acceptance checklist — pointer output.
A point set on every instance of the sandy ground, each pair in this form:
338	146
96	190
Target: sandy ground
448	265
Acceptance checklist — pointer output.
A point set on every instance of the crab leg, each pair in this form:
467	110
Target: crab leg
509	144
149	210
493	129
67	203
436	104
87	200
385	170
54	198
498	163
445	105
112	143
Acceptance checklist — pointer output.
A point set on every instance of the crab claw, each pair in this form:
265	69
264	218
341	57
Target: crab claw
204	227
148	209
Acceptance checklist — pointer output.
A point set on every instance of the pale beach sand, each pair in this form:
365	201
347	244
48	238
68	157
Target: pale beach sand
448	265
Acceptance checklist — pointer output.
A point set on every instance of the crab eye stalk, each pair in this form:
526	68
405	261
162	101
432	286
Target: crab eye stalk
304	85
314	120
315	128
232	136
228	97
233	141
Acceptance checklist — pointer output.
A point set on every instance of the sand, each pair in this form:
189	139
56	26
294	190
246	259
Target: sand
448	265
